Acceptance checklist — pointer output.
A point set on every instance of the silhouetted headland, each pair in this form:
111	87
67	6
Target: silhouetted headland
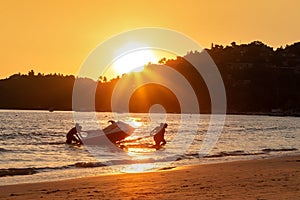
257	79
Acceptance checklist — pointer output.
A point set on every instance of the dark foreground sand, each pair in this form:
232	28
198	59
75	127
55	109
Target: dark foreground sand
276	178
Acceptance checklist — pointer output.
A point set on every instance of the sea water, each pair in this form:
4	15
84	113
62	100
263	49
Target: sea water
33	149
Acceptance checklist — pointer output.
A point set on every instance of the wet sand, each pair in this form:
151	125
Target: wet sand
275	178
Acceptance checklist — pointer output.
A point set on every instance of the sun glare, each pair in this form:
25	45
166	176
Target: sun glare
134	61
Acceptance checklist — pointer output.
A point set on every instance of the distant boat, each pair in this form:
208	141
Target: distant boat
114	133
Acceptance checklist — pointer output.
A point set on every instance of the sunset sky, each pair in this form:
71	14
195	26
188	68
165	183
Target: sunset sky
56	36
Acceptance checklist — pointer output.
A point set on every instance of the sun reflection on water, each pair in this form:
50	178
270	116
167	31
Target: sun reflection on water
135	123
137	168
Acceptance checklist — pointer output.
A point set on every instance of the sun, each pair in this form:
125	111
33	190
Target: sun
134	61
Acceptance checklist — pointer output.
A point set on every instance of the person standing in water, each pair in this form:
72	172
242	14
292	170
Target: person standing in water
72	135
159	135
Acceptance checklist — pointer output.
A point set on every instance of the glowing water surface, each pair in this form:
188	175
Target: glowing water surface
33	143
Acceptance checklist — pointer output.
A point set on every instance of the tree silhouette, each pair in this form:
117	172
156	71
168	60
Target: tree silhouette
257	79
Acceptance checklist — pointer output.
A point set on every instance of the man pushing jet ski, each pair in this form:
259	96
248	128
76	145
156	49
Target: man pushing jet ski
72	135
159	135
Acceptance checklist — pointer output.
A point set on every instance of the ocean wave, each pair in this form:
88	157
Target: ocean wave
34	170
233	153
89	164
220	154
42	143
30	136
28	171
7	136
51	143
4	150
277	150
17	171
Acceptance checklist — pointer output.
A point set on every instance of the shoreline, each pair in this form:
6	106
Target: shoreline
27	175
246	113
269	178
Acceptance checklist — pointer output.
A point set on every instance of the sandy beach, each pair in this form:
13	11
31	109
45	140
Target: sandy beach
273	178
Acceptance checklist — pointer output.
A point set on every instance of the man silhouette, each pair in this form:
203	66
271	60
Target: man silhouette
159	134
72	135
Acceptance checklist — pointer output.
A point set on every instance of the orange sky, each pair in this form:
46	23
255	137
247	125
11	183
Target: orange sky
56	36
